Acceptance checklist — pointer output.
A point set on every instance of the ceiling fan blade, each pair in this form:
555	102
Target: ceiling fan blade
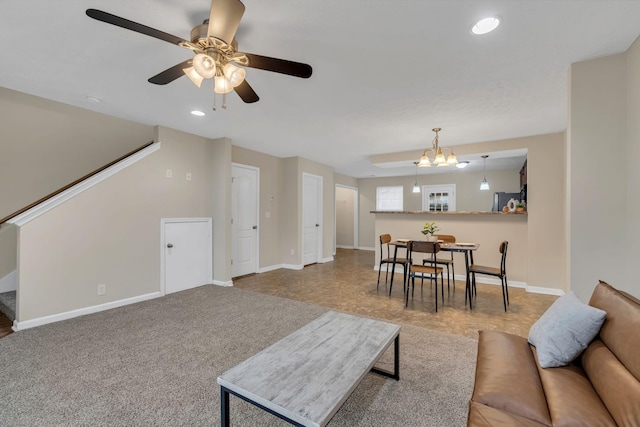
283	66
133	26
170	74
224	18
246	92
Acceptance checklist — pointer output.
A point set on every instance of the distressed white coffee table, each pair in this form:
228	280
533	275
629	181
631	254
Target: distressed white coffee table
307	376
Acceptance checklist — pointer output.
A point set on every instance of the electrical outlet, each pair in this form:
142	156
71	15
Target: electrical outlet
169	173
267	214
102	289
188	176
293	252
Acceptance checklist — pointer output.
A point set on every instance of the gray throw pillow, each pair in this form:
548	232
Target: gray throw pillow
565	330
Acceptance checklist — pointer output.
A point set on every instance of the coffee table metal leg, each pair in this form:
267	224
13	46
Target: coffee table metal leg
396	362
224	407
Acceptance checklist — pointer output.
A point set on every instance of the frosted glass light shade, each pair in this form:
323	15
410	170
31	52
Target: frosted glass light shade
222	85
424	162
452	159
204	65
484	185
234	74
416	188
193	75
439	158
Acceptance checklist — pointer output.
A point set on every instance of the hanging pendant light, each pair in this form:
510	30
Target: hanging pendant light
484	185
416	187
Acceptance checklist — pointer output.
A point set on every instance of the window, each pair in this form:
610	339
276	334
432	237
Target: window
389	198
439	198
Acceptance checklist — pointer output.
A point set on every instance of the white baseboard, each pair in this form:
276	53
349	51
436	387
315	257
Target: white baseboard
293	266
546	291
328	259
9	282
365	248
20	326
515	284
344	247
269	268
221	283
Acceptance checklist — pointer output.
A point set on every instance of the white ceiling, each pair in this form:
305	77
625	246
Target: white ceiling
385	72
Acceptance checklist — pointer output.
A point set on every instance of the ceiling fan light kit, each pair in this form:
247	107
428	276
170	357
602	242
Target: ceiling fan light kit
215	48
204	65
195	77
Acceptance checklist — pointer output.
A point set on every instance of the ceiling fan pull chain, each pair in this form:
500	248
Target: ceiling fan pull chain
224	101
214	101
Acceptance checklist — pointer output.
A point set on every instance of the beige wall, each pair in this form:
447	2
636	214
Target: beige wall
111	232
46	145
8	249
345	211
603	181
633	171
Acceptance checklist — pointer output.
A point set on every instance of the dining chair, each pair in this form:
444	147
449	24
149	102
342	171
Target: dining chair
500	272
446	238
385	239
416	270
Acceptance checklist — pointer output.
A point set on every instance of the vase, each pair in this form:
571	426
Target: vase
431	238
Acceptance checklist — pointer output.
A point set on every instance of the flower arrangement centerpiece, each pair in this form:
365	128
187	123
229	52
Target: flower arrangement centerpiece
429	231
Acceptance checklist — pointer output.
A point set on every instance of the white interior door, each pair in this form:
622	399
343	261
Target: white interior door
311	215
186	251
244	220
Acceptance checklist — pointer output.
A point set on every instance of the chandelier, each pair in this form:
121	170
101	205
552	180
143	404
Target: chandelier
438	156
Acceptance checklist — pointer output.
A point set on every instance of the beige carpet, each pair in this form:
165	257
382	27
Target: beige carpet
155	364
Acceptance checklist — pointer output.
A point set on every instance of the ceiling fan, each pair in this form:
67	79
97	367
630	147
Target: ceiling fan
216	52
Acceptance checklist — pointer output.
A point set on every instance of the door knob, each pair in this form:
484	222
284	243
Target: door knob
169	245
317	225
255	227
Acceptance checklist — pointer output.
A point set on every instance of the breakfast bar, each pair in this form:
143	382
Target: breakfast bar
488	229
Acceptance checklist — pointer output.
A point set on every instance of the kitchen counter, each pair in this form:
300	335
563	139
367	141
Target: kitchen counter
449	213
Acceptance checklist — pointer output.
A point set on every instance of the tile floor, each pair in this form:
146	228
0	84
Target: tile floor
349	284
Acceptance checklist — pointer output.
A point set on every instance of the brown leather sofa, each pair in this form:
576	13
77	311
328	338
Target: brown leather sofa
600	388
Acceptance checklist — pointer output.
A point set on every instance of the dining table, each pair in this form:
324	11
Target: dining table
461	247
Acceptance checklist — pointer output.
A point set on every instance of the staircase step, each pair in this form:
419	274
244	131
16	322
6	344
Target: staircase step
8	304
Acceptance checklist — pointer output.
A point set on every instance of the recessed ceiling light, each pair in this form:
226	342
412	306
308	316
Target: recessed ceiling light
462	165
197	113
486	25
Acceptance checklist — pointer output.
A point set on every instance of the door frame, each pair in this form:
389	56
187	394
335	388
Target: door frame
320	221
356	217
163	243
257	170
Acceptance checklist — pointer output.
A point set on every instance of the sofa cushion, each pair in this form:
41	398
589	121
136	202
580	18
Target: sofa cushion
565	330
617	387
507	377
485	416
571	398
620	330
